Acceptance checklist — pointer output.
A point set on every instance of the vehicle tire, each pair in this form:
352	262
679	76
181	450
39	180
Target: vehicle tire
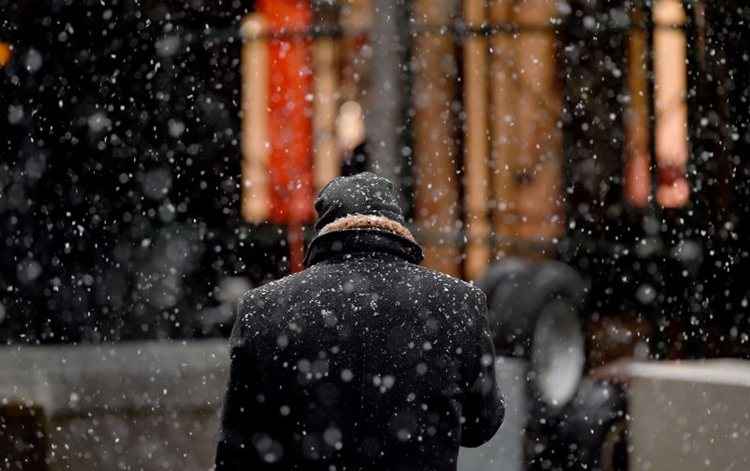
499	275
535	314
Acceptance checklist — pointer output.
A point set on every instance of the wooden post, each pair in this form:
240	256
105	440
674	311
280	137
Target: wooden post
255	146
327	161
476	151
539	165
356	19
503	96
637	159
436	185
671	107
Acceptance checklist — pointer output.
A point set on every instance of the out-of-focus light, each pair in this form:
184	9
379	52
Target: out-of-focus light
350	125
674	189
5	54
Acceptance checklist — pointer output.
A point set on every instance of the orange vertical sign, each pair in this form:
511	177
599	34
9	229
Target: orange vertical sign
290	177
289	111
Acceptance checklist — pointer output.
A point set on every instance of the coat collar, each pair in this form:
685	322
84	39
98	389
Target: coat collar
361	241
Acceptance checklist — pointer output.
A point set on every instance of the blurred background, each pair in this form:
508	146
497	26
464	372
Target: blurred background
585	162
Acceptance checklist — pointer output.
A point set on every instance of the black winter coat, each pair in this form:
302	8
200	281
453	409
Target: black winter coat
363	361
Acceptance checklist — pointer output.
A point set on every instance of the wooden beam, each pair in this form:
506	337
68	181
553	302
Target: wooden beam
637	185
476	151
670	50
503	99
356	18
327	161
255	145
436	187
538	172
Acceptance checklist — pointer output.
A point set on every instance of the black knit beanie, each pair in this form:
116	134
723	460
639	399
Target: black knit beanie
364	193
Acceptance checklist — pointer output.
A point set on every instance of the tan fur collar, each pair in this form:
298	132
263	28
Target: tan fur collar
365	222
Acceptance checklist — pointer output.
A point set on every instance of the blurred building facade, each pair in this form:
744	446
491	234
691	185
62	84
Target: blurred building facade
155	167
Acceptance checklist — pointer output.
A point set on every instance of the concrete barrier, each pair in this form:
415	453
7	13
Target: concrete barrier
152	406
140	406
687	416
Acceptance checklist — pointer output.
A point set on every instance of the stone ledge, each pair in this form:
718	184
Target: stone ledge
139	376
151	406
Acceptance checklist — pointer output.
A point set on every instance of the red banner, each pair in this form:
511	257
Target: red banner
290	109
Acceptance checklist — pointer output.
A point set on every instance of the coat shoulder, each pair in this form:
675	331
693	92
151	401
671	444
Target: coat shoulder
256	306
255	301
451	283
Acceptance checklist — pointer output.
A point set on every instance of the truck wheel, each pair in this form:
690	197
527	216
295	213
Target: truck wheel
501	274
534	313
